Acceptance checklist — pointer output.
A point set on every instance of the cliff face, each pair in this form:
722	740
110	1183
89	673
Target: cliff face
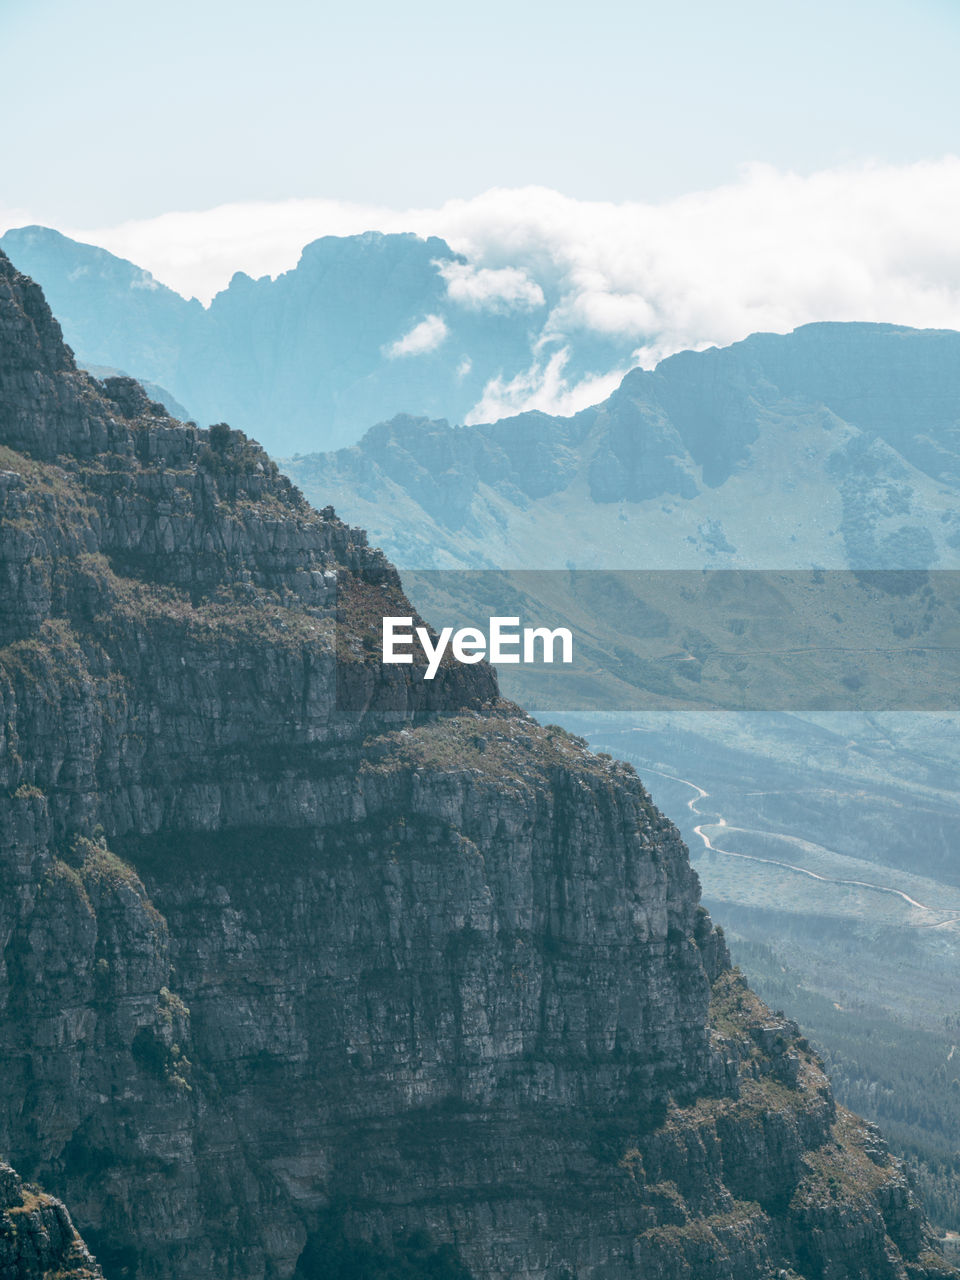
296	971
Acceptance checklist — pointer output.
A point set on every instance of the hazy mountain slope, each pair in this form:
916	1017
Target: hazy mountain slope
836	445
114	313
364	326
308	355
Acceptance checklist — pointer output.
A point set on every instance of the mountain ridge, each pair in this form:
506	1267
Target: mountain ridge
779	451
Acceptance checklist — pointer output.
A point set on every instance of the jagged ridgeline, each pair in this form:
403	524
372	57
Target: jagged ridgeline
297	988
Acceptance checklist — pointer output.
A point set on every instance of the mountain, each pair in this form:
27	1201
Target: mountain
311	968
837	445
363	326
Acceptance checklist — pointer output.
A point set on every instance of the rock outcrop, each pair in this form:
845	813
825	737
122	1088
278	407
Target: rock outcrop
307	964
37	1239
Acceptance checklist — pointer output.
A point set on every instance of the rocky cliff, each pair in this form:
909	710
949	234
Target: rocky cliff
37	1238
309	967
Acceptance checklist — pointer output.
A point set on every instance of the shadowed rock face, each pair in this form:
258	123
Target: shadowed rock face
291	980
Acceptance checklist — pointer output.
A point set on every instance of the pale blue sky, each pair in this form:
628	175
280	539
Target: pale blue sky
116	110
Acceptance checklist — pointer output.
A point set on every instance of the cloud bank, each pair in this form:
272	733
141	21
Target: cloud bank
770	251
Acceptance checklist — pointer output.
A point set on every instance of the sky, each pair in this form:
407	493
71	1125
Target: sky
115	111
690	170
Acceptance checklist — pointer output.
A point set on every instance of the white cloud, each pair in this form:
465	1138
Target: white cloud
544	387
769	251
489	289
596	303
422	338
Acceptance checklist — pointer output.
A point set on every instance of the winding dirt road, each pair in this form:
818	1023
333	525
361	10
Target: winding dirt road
701	794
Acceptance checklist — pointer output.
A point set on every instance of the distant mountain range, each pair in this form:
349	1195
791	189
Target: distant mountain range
364	327
837	446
